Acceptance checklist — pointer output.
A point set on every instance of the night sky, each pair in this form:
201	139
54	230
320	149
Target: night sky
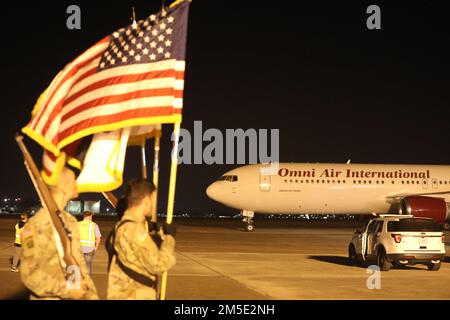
335	89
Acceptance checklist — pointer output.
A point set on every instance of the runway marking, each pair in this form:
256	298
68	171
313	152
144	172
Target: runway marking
221	274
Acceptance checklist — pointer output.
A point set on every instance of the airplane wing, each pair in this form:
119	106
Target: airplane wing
398	197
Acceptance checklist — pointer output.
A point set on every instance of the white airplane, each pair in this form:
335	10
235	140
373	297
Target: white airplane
304	188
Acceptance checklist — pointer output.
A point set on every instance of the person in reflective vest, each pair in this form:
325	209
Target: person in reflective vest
90	238
18	242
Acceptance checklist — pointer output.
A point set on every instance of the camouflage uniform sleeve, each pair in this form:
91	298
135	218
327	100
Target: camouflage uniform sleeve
41	275
136	250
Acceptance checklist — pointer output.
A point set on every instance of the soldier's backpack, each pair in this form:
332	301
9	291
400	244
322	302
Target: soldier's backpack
109	243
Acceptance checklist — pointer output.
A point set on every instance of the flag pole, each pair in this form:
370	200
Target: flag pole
143	161
156	177
144	170
171	199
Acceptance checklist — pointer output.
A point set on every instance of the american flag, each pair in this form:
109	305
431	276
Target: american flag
134	77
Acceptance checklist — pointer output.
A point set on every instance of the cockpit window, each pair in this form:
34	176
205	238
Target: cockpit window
229	178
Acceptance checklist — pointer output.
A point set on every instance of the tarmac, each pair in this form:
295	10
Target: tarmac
280	259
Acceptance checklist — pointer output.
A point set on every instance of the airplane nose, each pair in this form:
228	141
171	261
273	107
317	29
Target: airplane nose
211	191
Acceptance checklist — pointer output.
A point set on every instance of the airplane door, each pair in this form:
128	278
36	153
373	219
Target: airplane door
264	182
434	183
425	183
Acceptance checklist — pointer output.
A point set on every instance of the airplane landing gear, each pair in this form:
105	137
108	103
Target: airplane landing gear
248	219
249	226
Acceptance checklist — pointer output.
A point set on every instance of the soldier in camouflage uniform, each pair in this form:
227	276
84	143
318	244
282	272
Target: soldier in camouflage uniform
41	270
138	260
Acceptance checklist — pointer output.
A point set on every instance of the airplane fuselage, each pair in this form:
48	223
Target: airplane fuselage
325	188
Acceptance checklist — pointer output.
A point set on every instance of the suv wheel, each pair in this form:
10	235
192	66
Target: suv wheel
352	258
382	261
434	266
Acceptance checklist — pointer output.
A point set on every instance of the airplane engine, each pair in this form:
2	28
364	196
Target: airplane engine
427	207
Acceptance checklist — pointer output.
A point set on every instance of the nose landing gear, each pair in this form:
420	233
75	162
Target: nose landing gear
248	219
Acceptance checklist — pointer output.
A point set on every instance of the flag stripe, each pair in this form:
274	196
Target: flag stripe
118	107
122	116
56	104
83	60
178	103
118	98
116	80
130	70
115	83
88	74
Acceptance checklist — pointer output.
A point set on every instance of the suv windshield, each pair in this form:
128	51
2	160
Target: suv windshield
413	225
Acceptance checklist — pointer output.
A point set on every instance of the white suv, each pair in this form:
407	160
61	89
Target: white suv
396	240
